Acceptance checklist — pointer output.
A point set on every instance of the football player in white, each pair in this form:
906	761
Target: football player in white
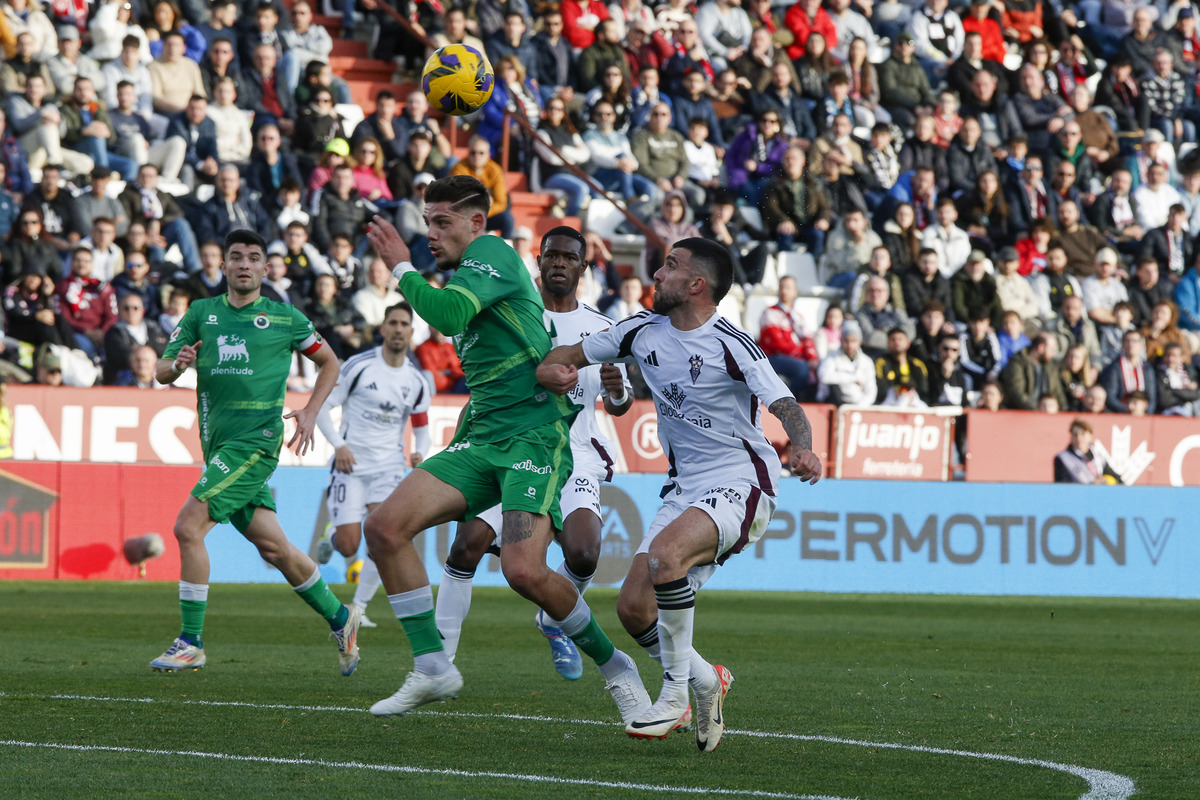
561	263
379	391
706	377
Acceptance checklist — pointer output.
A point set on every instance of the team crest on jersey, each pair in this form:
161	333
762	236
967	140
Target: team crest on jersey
697	362
261	322
674	396
175	333
231	348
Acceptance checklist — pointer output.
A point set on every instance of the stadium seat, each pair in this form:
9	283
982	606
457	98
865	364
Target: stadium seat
603	217
756	304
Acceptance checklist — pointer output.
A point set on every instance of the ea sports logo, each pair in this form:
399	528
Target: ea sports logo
261	322
621	533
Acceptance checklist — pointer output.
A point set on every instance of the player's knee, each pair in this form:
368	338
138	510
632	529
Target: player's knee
524	577
187	533
582	557
380	535
664	565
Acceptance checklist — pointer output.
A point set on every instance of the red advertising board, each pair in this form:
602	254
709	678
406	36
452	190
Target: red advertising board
893	444
1020	446
134	426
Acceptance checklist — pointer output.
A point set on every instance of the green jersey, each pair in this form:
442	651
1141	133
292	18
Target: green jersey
242	368
494	312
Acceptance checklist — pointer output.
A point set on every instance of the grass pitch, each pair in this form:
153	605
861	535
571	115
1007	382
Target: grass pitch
835	697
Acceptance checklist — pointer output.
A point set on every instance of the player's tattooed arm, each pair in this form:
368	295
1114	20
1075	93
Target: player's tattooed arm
559	370
805	464
518	526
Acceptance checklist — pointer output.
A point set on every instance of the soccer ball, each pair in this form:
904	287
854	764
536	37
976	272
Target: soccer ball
458	79
354	571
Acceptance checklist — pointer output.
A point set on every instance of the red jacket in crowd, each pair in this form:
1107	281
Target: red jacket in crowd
799	24
992	35
88	304
572	10
441	360
780	335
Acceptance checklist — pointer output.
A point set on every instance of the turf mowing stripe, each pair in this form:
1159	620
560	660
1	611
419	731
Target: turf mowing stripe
1102	785
455	773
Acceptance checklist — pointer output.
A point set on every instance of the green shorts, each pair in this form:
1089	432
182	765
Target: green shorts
235	484
524	473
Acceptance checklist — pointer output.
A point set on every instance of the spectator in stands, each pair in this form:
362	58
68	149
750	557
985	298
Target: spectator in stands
1187	297
438	357
1102	290
850	250
219	63
223	22
69	64
16	178
897	371
1172	245
756	64
903	85
516	96
134	133
1078	376
1096	400
177	305
199	136
782	96
803	19
165	224
781	336
983	50
950	242
1189	194
846	376
1072	327
512	40
582	21
673	224
266	90
416	160
479	165
984	212
614	89
659	152
694	104
107	258
341	210
1155	198
345	266
456	31
416	116
374	299
304	262
730	229
1011	336
1163	329
271	165
334	317
1130	373
1080	462
876	316
235	141
884	163
828	337
689	56
968	159
1178	383
174	78
141	369
725	30
234	206
795	209
166	20
613	165
922	150
277	285
1082	243
1032	373
29	310
814	69
931	326
15	72
1146	289
60	223
604	52
642	98
842	192
1029	196
35	122
919	189
938	35
24	16
134	281
838	145
981	356
49	368
1099	139
1111	335
383	126
947	381
306	43
924	283
27	248
902	238
88	304
1116	213
1068	161
10	206
1063	186
131	330
319	124
555	67
1014	290
627	301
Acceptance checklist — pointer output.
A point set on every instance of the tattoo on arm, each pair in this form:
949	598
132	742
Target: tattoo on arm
518	526
794	420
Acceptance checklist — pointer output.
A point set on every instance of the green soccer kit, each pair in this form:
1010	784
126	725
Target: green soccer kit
242	368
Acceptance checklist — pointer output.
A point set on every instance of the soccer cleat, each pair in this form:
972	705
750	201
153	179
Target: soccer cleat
325	547
365	621
563	651
180	655
660	719
629	693
347	641
710	712
685	722
418	690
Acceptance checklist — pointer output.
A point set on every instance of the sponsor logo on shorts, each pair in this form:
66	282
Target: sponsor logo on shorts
732	495
531	492
529	466
268	433
219	464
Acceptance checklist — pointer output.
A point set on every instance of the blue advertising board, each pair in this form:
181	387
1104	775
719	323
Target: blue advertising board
860	536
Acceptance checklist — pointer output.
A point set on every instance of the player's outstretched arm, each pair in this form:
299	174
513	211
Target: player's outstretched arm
306	418
168	370
805	464
559	370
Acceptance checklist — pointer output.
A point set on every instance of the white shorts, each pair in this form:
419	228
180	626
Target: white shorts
580	491
740	510
349	494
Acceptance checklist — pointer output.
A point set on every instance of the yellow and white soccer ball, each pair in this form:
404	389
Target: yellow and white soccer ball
458	79
354	570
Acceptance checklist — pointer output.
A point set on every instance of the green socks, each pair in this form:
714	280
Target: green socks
193	600
317	594
593	641
422	632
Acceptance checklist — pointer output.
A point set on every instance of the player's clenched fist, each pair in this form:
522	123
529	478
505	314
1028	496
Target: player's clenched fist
806	466
558	378
612	380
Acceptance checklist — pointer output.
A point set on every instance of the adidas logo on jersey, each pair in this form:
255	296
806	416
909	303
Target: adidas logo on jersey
373	387
651	359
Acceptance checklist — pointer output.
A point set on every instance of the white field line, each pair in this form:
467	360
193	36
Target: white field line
1102	785
456	773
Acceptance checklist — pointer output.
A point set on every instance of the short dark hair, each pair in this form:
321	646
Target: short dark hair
244	236
714	260
933	305
131	41
386	94
174	32
123	84
567	231
460	190
401	306
296	224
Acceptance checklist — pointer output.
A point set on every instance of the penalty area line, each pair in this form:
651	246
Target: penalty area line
409	770
1102	785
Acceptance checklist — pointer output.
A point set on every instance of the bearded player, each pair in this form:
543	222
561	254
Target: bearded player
707	378
513	448
561	263
241	346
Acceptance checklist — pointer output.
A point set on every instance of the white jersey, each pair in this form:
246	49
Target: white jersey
590	448
376	402
707	384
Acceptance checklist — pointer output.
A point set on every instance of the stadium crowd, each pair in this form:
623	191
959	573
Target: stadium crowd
999	201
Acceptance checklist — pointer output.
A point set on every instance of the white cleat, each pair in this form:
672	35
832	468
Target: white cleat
629	693
710	712
180	655
418	690
365	621
347	641
660	719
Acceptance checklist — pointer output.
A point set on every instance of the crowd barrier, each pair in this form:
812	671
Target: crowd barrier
69	521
